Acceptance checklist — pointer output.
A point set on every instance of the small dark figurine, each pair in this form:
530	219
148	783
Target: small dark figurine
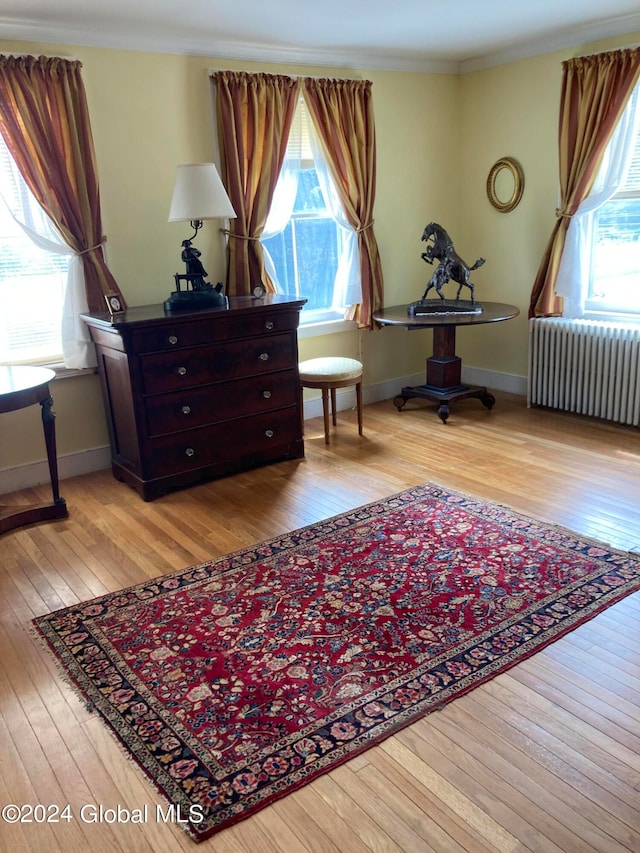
202	295
451	265
196	272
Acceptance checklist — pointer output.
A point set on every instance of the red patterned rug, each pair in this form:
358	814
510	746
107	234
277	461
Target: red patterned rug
237	681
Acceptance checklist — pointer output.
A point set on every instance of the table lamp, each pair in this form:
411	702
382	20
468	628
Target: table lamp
198	194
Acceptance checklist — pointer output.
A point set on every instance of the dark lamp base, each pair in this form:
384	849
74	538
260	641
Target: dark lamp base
195	300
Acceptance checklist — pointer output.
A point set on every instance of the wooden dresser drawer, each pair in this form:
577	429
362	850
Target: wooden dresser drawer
188	368
209	404
175	333
215	444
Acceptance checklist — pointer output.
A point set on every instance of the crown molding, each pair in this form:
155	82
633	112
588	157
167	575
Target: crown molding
59	34
30	31
357	60
560	40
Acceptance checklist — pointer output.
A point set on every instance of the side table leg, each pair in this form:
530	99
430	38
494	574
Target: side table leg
12	517
443	412
444	366
49	427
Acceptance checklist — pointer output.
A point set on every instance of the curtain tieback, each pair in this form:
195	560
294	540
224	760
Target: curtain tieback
93	248
561	215
362	228
237	236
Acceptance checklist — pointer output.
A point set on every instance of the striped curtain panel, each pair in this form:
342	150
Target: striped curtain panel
254	113
44	120
342	112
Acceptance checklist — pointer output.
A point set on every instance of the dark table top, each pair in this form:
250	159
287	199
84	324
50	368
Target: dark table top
23	385
22	377
492	312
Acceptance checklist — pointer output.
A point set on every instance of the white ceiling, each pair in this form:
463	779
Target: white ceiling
429	35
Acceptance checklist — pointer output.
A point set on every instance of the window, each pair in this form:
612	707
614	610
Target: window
32	279
614	283
305	254
309	246
611	228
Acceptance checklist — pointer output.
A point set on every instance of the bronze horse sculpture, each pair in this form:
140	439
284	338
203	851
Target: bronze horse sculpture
451	265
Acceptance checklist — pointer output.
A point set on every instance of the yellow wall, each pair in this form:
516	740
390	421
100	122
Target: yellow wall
438	136
510	110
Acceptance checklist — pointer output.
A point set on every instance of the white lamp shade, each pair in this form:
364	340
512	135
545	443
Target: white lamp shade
198	193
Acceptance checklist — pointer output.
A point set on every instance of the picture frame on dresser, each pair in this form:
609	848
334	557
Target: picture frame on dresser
198	395
114	304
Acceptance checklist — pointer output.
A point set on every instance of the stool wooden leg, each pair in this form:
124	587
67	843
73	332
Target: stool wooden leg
325	412
333	406
359	406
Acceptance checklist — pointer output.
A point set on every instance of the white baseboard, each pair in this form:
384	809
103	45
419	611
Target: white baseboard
69	465
346	398
99	458
492	379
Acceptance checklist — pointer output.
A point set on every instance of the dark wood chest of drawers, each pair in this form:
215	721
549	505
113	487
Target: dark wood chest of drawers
192	396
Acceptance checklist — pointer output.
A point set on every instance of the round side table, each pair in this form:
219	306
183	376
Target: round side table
23	386
443	376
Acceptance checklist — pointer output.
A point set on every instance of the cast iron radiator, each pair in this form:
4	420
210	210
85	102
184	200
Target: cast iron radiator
585	366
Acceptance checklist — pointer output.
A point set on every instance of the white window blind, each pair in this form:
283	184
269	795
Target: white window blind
32	280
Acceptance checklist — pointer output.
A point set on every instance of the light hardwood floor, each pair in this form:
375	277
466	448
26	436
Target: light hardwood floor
545	757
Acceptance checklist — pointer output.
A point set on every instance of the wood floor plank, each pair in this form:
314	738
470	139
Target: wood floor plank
46	789
597	824
384	810
620	682
529	730
280	835
612	660
526	817
476	807
297	819
13	836
618	708
456	832
574	721
422	825
346	807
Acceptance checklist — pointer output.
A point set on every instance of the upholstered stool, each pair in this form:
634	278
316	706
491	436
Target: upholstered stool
328	374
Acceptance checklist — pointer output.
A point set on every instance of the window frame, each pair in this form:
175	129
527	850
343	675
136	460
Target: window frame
329	316
314	316
602	307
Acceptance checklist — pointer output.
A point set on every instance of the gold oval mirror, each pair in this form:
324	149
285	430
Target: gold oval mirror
505	184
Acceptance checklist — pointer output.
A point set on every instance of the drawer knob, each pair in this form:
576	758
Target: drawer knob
186	410
181	371
189	452
266	395
173	340
264	356
269	325
268	433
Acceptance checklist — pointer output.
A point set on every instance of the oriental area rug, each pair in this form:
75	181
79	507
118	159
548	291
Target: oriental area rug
237	681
